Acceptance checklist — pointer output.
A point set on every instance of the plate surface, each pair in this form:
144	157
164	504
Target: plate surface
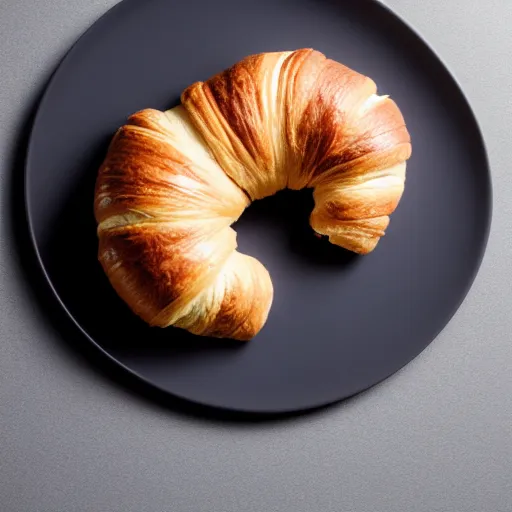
339	323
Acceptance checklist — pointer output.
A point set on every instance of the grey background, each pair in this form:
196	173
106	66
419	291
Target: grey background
435	437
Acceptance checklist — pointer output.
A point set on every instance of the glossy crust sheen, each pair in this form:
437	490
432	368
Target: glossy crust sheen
173	182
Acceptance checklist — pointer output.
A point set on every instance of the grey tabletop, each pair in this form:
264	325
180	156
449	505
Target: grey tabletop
435	437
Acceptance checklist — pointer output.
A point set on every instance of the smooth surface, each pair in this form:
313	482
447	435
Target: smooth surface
339	323
435	437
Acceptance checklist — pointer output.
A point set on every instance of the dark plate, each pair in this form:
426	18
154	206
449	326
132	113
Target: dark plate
339	323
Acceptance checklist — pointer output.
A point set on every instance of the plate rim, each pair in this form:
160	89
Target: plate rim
482	249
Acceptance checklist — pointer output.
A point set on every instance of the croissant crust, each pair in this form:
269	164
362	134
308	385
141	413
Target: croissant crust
172	184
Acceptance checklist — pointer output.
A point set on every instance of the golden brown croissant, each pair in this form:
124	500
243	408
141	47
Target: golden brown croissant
173	182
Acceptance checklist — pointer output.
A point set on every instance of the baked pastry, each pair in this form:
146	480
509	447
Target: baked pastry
173	182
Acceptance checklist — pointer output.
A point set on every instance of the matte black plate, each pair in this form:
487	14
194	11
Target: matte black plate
339	323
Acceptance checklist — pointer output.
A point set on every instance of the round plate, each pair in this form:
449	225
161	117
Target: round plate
339	323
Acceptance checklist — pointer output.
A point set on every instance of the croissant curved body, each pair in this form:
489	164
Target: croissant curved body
174	182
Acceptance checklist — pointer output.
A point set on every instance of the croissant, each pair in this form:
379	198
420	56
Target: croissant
172	184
